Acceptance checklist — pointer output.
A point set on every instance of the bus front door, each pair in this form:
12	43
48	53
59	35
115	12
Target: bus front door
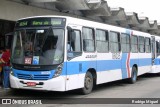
74	56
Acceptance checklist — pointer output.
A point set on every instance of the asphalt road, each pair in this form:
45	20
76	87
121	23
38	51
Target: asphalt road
147	86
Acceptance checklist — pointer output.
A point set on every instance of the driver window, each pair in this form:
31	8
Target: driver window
74	41
17	51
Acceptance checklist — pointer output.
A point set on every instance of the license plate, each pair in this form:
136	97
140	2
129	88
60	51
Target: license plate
31	84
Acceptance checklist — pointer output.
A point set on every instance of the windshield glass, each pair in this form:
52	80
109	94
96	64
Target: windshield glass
38	47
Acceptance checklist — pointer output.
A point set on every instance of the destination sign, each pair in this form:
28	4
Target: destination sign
34	22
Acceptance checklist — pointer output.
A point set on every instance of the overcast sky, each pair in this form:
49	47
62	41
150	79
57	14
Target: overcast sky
148	8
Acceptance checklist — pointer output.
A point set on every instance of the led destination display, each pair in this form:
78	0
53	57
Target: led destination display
34	22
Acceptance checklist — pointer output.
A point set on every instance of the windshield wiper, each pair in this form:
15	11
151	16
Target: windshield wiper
45	37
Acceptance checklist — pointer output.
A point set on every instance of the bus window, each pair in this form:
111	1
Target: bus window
102	41
157	48
125	43
141	44
88	40
18	51
74	43
134	44
148	45
114	42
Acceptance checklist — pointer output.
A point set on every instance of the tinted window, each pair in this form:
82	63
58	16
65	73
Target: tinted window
88	39
141	44
125	43
134	44
74	41
148	45
114	42
102	41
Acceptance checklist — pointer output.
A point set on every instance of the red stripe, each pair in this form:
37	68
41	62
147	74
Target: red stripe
128	65
128	61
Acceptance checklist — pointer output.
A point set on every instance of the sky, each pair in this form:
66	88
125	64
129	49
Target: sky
147	8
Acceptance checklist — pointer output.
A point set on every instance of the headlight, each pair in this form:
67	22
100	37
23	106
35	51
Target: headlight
12	73
58	71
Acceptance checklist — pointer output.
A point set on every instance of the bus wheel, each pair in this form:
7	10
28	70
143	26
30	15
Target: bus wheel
133	78
88	83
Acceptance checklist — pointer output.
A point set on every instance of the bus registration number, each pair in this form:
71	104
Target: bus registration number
31	84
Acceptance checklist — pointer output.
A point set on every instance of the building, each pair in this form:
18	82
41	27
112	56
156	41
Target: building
12	10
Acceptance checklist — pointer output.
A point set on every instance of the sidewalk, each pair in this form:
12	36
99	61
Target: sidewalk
4	92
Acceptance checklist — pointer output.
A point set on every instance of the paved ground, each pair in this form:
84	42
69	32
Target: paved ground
3	92
147	86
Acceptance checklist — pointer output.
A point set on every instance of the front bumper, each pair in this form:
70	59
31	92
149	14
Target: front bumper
54	84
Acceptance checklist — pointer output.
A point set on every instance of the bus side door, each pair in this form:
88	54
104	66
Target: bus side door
74	52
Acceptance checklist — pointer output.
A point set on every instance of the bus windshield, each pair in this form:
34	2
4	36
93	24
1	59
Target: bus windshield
38	47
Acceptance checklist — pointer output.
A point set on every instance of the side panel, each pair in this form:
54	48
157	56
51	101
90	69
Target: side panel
145	64
76	70
108	68
125	60
125	65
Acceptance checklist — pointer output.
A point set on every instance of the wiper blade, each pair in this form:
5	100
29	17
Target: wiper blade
45	36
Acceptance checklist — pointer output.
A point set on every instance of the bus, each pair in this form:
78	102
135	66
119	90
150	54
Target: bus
155	54
61	53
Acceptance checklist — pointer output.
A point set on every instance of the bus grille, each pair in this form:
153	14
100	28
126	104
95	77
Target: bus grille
33	77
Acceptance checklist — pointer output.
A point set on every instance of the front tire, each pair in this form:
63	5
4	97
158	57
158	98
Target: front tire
88	84
133	78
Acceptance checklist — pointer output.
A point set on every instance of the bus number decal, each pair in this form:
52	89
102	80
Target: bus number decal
91	56
116	56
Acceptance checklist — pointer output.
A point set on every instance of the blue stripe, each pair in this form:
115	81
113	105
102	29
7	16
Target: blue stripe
71	68
74	67
141	62
157	61
124	69
106	65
